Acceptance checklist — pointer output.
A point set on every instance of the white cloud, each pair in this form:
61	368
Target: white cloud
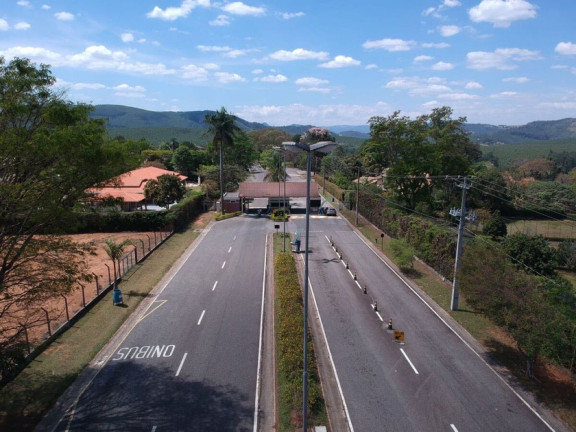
436	45
500	58
457	96
257	71
473	85
226	77
442	66
22	26
318	115
371	66
566	48
64	16
391	45
194	73
501	13
235	53
311	81
36	54
216	48
299	54
517	80
449	30
288	15
504	95
24	3
4	26
324	90
173	13
340	61
422	58
127	37
239	8
128	88
272	78
451	3
220	21
87	86
46	7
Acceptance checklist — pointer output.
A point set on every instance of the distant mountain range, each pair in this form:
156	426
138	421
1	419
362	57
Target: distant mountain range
162	126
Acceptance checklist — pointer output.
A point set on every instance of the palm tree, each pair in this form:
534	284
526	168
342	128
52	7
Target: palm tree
221	124
276	169
115	252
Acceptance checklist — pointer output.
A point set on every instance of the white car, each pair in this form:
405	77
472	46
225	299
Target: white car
330	211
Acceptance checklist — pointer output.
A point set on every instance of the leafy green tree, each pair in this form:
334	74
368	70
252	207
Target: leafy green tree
264	139
275	167
50	153
495	226
115	251
490	191
165	190
567	254
242	152
532	254
222	126
183	161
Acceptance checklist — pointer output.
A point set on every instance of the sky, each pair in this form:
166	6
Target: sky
324	63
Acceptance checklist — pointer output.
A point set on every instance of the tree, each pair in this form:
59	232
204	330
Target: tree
567	254
183	161
115	251
222	125
165	190
275	167
532	254
50	153
495	226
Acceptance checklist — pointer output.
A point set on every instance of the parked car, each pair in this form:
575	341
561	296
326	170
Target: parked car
330	211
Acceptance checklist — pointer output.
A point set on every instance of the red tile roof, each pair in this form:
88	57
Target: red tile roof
275	189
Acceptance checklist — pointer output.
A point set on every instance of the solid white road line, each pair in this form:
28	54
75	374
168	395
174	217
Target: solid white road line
181	364
350	427
201	316
214	287
260	342
409	362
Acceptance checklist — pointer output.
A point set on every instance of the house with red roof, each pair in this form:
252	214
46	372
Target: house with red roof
128	188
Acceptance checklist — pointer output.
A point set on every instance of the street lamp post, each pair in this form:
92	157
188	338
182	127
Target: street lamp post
284	198
323	147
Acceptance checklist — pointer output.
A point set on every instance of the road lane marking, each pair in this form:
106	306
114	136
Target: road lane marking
160	303
234	237
379	316
350	427
409	362
181	364
453	428
223	264
214	287
261	341
229	249
154	428
477	354
201	316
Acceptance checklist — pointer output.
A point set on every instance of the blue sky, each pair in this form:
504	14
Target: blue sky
324	63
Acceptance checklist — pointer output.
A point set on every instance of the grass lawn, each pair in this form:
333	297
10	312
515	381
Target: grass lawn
30	395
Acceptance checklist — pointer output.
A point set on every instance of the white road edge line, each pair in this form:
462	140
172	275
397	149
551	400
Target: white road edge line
453	428
223	264
214	287
260	342
409	362
181	364
458	336
331	360
201	316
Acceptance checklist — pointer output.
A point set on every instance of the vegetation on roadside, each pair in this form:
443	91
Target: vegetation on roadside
289	359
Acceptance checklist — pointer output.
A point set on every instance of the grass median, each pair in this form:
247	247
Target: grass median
32	393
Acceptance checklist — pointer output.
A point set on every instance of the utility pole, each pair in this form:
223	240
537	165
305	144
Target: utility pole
357	194
461	213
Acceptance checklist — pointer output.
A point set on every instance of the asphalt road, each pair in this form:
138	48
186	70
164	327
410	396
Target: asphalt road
190	362
433	381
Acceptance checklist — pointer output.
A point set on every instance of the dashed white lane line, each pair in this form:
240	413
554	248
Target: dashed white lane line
154	428
201	316
379	316
409	362
453	428
223	264
230	249
214	287
181	364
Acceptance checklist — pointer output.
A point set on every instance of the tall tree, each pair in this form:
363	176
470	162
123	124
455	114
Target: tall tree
115	251
222	125
50	152
165	190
